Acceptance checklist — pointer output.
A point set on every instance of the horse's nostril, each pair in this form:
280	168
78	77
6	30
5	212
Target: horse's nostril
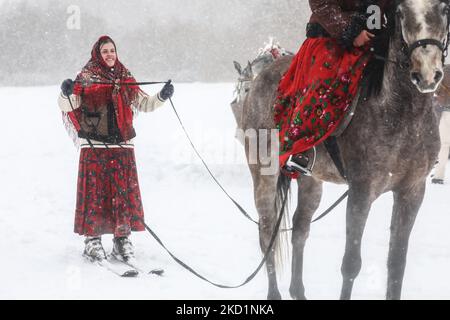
416	77
438	76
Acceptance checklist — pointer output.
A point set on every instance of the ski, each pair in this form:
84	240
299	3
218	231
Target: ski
120	270
137	267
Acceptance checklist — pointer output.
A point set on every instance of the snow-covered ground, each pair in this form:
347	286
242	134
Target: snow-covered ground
41	256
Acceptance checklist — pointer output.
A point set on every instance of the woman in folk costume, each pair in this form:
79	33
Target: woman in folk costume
323	79
108	195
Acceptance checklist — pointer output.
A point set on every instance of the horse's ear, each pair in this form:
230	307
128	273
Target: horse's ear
249	68
238	67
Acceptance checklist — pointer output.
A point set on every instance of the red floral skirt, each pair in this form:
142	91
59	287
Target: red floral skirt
315	93
108	195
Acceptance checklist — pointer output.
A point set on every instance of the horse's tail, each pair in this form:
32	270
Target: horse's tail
282	199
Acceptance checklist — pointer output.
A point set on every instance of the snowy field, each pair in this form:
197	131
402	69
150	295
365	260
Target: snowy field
41	256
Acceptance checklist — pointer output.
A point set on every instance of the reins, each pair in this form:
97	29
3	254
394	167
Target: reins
121	83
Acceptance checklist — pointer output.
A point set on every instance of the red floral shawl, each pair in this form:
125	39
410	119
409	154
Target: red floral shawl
94	95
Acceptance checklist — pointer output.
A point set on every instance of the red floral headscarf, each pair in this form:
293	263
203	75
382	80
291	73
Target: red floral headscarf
95	95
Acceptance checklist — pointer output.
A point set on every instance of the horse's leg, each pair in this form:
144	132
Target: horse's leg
264	193
406	206
309	195
359	203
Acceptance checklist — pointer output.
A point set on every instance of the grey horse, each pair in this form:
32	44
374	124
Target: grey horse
391	145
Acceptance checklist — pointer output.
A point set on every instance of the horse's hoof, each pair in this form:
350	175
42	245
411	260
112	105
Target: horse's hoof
297	295
274	296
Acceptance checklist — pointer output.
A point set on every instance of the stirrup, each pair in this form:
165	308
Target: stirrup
291	165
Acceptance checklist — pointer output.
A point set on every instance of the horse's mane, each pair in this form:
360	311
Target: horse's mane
372	82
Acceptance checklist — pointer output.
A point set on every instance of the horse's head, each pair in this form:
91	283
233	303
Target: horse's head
249	73
266	57
424	28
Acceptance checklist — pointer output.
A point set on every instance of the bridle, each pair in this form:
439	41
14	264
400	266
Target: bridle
443	46
240	86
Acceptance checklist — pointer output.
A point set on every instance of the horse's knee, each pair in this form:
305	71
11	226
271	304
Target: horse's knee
266	223
300	235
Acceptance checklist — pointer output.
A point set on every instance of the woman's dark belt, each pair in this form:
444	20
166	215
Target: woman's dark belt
315	30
